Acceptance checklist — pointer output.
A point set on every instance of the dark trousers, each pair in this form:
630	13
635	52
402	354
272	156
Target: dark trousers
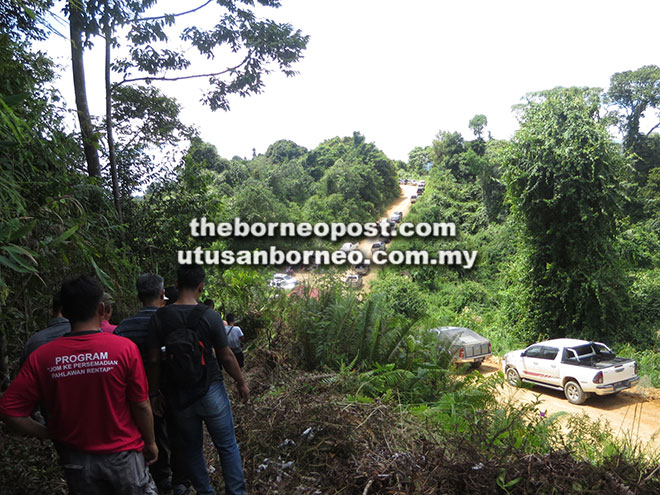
170	460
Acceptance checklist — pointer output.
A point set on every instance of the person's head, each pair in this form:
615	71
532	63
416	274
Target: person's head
190	278
56	307
229	317
150	289
209	303
81	299
108	303
171	295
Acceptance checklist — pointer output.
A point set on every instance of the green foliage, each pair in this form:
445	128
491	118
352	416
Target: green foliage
419	159
244	291
447	153
477	124
283	151
562	182
336	327
145	121
635	92
402	295
54	222
389	383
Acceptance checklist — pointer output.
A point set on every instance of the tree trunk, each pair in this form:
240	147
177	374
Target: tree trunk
108	122
78	67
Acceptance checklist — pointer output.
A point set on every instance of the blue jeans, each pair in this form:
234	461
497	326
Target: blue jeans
215	411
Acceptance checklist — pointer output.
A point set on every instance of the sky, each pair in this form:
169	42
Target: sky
400	71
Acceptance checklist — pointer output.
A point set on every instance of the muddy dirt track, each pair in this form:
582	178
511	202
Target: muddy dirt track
633	413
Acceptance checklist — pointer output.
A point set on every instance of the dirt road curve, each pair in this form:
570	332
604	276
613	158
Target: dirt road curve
403	205
634	413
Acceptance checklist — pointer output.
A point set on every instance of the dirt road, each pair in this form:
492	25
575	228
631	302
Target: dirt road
632	414
402	205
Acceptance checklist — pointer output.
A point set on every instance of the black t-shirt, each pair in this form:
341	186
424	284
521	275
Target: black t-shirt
210	328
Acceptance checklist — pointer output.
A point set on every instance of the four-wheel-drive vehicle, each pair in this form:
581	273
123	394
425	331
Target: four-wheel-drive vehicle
362	268
385	238
396	216
354	281
349	246
464	345
283	281
413	198
578	367
378	246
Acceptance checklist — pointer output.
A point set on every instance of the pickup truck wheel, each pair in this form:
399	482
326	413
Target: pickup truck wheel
512	377
574	393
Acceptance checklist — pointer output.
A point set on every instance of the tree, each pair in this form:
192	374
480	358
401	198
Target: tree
447	151
419	160
635	92
562	178
256	45
477	124
284	150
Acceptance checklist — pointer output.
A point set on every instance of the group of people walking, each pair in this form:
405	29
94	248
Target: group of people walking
125	405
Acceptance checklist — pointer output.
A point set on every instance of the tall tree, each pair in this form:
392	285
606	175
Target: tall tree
478	123
562	178
635	92
89	137
250	48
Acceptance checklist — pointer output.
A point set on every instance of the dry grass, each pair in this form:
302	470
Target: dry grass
300	436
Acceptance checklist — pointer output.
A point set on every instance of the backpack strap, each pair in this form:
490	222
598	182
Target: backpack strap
195	315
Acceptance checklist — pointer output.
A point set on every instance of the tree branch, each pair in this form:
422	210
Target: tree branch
181	78
157	18
653	129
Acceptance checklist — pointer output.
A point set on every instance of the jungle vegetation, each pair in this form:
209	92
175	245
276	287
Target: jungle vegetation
565	217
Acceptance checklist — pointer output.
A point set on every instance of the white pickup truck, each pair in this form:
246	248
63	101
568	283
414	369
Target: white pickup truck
578	367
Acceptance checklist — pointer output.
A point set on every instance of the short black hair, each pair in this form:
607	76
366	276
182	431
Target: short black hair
149	286
80	297
57	303
230	317
172	294
190	276
209	302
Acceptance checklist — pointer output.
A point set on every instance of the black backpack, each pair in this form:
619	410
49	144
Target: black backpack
186	356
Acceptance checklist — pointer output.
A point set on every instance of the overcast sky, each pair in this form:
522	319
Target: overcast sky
400	71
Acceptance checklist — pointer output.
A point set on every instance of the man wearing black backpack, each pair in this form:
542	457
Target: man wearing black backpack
188	333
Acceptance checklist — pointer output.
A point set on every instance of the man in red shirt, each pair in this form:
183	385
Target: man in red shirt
93	386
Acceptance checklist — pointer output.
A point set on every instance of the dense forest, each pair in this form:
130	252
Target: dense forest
565	218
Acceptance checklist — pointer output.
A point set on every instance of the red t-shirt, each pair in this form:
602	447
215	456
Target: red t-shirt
86	382
106	326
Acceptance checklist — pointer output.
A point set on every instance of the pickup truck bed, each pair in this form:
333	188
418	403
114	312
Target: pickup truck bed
597	362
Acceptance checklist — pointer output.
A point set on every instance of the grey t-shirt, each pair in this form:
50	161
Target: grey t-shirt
169	318
57	327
